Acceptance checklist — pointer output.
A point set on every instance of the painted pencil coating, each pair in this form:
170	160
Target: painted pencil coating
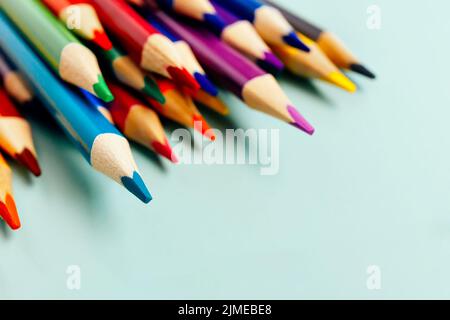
139	123
190	62
102	145
254	86
268	21
94	102
207	47
328	42
200	10
146	45
241	35
128	73
87	24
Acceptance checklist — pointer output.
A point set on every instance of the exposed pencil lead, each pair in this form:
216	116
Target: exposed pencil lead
102	91
137	187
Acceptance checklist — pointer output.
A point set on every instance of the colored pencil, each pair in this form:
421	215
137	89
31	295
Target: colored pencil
100	143
137	3
91	30
189	60
314	64
241	35
94	102
8	210
74	62
148	47
127	72
211	102
139	123
180	108
255	87
268	21
15	135
14	83
200	10
327	41
82	19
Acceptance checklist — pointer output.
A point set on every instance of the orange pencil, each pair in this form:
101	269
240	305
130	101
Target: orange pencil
8	210
82	19
138	122
15	135
180	108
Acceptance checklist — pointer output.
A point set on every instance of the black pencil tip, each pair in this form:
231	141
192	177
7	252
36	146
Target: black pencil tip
359	68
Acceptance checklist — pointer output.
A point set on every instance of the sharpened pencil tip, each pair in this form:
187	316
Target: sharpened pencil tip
8	212
294	41
206	84
27	159
102	91
339	79
359	68
102	40
137	187
165	150
214	22
152	90
203	127
271	63
300	122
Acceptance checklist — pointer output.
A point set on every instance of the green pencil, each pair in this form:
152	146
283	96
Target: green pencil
74	62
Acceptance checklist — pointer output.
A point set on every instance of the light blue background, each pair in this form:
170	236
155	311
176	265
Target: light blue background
370	188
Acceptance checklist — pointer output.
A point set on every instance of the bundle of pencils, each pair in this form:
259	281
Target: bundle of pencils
106	70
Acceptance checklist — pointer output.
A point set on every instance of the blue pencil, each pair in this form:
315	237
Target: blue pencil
268	21
105	148
201	10
190	61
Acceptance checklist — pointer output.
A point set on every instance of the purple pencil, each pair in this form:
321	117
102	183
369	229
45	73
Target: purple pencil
241	35
14	84
255	87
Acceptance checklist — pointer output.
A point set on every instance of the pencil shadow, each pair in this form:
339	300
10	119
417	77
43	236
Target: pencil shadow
4	231
151	155
307	85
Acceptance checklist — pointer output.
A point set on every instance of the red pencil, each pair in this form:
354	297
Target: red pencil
138	122
146	45
15	135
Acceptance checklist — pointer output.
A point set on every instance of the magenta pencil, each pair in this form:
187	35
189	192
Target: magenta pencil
255	87
241	35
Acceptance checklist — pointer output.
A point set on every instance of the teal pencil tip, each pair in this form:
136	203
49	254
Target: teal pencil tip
152	90
102	91
137	187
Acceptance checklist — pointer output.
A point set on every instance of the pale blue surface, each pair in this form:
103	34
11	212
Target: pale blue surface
371	187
